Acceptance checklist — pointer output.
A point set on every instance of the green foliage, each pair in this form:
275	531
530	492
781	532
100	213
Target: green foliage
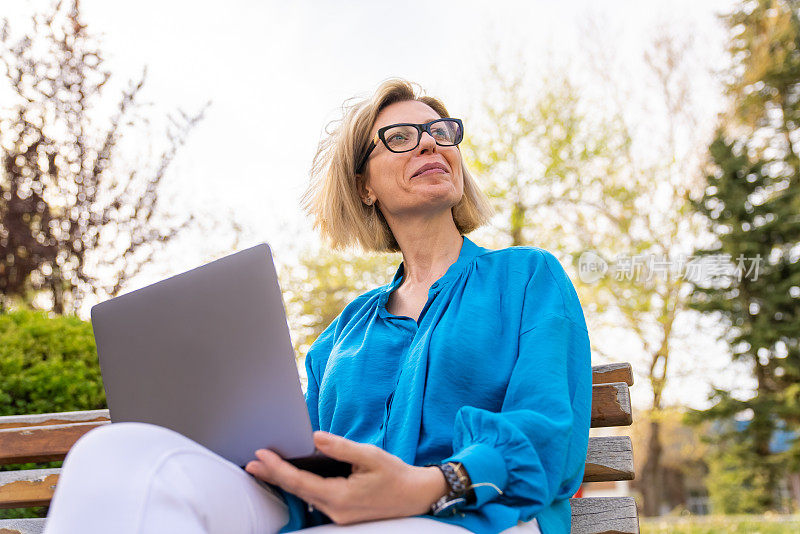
567	176
737	481
542	153
21	513
763	43
747	524
47	364
750	204
318	288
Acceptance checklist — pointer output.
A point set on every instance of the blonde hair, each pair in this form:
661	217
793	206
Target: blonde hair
332	198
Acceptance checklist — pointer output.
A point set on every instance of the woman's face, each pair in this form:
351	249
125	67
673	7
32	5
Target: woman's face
393	179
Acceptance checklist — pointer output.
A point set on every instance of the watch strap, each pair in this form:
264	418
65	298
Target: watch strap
459	492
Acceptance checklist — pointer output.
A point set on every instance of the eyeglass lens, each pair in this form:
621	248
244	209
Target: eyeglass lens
403	138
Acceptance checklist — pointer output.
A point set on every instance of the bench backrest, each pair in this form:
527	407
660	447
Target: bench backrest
48	437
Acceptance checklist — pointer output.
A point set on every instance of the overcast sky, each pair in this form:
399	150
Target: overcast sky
277	72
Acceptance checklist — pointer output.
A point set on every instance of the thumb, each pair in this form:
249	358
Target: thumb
346	450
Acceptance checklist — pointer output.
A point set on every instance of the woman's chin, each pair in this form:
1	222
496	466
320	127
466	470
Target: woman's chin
439	189
434	202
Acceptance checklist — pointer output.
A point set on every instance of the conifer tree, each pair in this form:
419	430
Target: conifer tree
752	206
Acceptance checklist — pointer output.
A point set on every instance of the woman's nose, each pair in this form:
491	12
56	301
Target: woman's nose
427	142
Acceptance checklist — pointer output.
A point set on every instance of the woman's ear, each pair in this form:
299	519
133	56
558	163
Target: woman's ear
364	190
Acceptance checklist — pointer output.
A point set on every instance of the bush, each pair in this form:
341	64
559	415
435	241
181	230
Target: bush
738	480
47	364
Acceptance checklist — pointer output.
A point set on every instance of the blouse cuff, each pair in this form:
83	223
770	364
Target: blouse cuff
483	464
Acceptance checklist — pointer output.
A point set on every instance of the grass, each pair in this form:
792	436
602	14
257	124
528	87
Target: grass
746	524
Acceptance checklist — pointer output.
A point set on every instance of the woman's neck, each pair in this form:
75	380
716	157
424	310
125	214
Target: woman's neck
429	247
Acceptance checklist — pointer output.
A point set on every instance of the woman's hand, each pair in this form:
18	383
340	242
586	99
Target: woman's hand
381	485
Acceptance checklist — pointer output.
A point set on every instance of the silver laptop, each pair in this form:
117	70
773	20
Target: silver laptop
207	353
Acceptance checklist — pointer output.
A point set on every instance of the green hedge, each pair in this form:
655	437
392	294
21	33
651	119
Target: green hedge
47	364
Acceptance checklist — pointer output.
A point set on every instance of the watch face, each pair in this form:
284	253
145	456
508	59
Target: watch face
447	505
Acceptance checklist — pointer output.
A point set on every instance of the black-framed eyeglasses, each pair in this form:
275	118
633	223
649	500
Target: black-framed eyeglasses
405	137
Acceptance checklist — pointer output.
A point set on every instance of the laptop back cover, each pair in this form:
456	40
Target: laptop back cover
208	354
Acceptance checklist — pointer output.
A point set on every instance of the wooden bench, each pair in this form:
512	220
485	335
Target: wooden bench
48	437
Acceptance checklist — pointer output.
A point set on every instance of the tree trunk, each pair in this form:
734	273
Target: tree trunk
652	475
763	429
57	289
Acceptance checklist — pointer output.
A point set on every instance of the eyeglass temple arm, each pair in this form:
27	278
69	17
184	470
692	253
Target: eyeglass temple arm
372	144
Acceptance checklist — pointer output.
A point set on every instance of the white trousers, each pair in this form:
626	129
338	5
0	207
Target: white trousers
137	478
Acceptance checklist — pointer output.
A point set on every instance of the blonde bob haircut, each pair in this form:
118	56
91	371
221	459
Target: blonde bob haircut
332	198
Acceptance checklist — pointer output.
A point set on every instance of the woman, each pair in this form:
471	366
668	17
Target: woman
460	391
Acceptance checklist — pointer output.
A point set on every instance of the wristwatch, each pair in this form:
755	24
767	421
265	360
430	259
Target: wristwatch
460	492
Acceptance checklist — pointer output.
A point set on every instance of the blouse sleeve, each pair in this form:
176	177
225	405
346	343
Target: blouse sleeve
315	359
534	449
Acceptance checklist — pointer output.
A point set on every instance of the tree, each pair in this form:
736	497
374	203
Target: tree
739	482
69	205
322	283
751	204
569	176
756	302
683	460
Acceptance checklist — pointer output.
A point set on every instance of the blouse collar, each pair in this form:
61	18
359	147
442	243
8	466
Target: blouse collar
468	252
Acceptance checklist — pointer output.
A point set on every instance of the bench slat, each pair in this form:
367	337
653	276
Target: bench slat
600	515
27	488
601	374
612	372
24	489
609	458
44	419
611	405
41	443
594	515
21	526
604	515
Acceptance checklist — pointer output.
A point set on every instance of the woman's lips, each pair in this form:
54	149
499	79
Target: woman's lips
430	171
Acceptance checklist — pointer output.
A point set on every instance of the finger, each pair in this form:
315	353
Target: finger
262	467
346	450
273	469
